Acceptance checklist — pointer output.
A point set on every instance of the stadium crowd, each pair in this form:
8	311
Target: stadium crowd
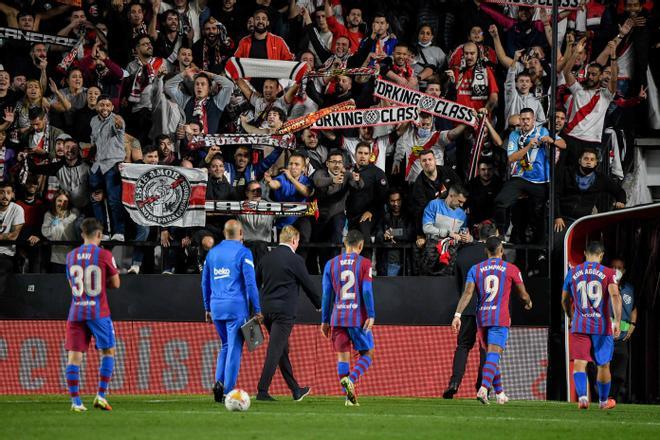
150	75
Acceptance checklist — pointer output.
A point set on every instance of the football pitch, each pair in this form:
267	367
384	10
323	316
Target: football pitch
197	417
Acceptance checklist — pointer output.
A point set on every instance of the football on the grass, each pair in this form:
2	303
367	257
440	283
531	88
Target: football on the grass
237	400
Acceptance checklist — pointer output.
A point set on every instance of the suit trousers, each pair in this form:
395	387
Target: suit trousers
467	336
279	328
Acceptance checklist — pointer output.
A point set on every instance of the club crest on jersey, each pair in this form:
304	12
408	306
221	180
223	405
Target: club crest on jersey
162	195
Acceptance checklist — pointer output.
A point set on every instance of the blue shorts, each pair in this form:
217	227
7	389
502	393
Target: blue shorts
596	348
493	335
357	337
79	334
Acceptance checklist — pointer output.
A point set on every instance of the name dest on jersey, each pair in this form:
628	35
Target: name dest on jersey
388	115
347	262
595	272
223	272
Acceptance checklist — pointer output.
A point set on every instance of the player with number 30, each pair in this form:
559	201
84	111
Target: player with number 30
89	270
347	312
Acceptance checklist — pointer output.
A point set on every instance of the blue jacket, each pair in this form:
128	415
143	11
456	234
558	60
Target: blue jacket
229	286
254	172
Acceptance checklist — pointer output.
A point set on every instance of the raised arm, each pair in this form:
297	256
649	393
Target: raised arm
502	57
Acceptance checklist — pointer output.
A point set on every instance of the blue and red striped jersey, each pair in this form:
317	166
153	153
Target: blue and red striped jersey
87	269
588	285
348	298
493	279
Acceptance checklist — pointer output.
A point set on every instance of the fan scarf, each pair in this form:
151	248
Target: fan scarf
262	207
367	117
546	4
287	142
144	77
260	68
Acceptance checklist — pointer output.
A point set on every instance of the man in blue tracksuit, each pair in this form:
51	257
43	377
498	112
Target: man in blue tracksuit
229	290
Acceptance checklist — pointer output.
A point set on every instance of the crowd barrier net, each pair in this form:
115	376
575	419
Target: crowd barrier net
180	358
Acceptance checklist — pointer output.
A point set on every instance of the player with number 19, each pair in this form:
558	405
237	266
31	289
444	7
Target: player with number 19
347	312
492	279
588	289
89	270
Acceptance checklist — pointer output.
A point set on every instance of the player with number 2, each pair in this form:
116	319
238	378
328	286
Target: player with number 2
89	270
588	289
493	279
347	312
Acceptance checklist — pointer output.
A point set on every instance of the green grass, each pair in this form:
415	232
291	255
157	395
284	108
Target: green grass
197	417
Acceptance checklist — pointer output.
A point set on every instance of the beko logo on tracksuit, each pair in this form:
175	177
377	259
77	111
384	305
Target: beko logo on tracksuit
223	272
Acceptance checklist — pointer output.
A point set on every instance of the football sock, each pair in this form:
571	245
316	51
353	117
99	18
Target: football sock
580	380
220	368
489	370
603	391
361	367
497	382
105	372
343	369
72	378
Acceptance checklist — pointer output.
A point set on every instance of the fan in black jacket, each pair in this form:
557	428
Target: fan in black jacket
578	189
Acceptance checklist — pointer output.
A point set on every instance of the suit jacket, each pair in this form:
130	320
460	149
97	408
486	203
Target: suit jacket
280	274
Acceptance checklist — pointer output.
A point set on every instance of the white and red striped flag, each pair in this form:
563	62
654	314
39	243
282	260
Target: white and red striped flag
156	195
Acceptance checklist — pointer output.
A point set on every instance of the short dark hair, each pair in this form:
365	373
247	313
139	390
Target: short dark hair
595	248
6	184
526	110
280	112
261	11
403	44
487	229
380	14
393	191
524	73
486	160
103	97
589	150
149	149
164	15
36	112
136	40
353	238
335	152
297	154
363	145
90	226
492	244
597	66
426	152
457	188
161	137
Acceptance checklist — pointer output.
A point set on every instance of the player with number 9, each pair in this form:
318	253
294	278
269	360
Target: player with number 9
492	279
347	312
588	288
89	270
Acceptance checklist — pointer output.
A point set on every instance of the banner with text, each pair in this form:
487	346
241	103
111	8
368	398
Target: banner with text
546	4
36	37
156	195
367	117
427	103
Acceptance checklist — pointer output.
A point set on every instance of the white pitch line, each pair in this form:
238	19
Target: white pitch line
414	416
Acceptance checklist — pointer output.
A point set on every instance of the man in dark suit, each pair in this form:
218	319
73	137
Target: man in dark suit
280	274
467	257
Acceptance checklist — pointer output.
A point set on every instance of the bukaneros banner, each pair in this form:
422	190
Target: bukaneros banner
156	195
355	71
366	117
287	141
427	103
36	37
263	207
547	4
264	68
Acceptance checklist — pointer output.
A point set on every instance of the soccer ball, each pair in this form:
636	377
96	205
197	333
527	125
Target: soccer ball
237	400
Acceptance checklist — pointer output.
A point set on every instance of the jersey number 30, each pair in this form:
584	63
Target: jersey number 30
85	280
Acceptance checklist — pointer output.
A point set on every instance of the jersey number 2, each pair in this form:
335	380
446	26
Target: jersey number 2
347	284
87	280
